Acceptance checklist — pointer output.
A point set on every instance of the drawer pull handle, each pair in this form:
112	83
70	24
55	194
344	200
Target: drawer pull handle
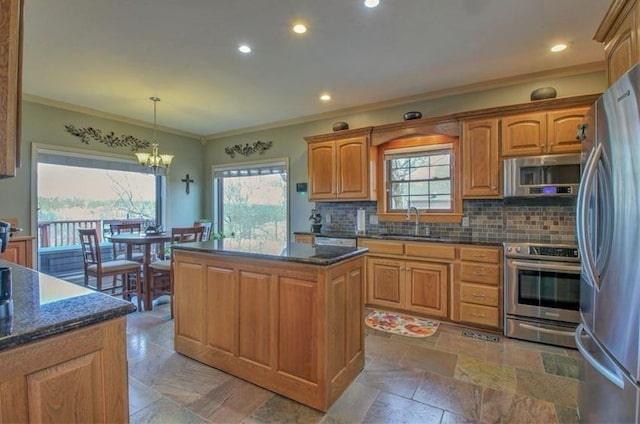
478	255
477	314
479	295
478	273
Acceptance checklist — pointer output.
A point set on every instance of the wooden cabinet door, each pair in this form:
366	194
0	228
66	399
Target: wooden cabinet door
621	51
524	135
562	130
427	288
75	377
10	85
385	282
481	170
19	251
352	171
322	170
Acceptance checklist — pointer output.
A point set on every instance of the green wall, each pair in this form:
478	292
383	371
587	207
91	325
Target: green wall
288	141
45	125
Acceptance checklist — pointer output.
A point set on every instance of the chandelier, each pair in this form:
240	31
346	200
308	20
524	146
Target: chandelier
156	163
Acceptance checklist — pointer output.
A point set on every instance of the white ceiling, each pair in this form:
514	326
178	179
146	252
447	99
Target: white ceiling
112	55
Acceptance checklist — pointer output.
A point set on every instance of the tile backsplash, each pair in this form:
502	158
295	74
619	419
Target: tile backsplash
542	221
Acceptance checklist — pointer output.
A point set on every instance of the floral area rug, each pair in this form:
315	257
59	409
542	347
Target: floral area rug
397	323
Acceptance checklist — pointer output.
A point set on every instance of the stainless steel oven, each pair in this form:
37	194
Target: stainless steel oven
542	292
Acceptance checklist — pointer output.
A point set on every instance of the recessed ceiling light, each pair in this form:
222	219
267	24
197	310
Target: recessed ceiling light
244	48
325	97
299	28
558	47
371	3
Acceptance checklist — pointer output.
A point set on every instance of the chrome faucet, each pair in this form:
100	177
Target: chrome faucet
415	210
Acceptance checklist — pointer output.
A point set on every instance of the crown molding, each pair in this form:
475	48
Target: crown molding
446	92
452	91
113	117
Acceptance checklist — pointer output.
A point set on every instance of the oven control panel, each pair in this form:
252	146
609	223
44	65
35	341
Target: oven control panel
542	251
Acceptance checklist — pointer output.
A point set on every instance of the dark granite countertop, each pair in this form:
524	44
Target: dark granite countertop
44	306
293	252
409	237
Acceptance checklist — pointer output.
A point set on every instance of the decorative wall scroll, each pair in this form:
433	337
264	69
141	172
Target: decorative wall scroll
109	139
258	147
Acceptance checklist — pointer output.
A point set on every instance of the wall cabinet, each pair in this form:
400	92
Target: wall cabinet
340	166
19	251
619	31
538	133
80	376
10	85
478	286
481	166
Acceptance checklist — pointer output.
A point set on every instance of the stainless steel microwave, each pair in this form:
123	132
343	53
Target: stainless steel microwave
542	176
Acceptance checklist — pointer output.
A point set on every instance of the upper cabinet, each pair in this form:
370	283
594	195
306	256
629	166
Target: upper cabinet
10	85
340	166
619	31
539	133
481	168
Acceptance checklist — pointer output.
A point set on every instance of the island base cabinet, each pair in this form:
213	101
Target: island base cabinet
76	377
293	328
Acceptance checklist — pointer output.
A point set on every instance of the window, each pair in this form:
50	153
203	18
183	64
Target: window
420	178
112	188
420	172
251	204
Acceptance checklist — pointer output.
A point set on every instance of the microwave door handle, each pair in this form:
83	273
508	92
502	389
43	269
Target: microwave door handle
610	375
582	215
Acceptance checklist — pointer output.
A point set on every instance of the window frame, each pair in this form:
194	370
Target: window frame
216	184
431	142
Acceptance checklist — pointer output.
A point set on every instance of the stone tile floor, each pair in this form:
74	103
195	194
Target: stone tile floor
445	378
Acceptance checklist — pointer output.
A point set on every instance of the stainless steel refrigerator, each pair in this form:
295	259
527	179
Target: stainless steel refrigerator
608	225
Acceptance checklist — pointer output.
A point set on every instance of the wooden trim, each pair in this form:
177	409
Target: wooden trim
366	131
612	19
455	216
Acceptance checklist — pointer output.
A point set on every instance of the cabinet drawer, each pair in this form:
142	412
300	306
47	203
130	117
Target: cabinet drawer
478	314
304	238
482	295
384	247
477	273
428	250
480	254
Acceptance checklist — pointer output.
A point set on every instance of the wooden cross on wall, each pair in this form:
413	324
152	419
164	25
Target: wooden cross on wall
187	181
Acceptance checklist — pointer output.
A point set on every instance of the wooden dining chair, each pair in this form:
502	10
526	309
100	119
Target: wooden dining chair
120	249
161	272
208	225
95	267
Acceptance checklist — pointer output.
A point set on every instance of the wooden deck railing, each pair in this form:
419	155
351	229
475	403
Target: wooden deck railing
65	232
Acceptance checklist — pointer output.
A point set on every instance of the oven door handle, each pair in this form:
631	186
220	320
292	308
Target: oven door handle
540	266
548	330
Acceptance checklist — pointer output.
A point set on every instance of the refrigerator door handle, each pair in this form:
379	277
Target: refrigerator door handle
582	215
610	375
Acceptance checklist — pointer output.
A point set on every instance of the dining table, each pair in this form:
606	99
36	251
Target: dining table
147	241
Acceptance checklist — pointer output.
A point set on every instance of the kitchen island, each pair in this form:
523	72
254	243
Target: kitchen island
63	352
289	320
